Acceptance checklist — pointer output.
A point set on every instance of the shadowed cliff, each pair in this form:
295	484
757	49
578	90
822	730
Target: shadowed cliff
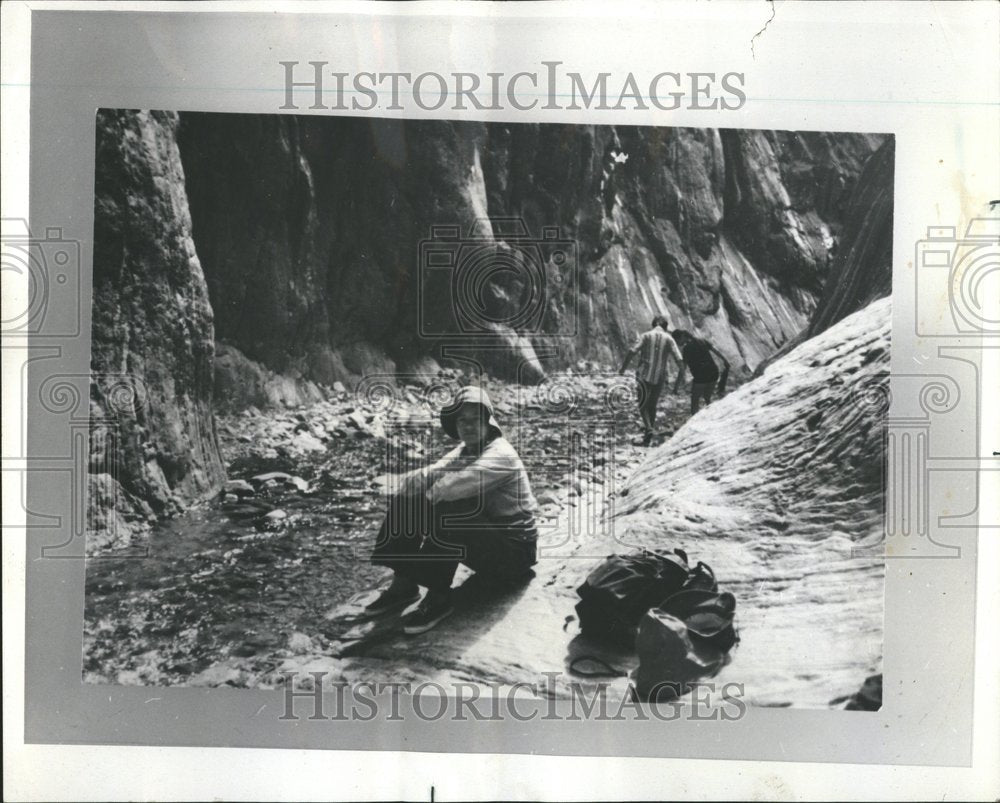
311	232
862	265
153	341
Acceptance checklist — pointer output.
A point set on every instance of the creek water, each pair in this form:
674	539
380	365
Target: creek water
213	583
217	583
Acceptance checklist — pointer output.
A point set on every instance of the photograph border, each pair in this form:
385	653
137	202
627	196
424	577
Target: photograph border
917	723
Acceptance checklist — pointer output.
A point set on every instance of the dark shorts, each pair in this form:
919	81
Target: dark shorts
709	378
426	542
702	390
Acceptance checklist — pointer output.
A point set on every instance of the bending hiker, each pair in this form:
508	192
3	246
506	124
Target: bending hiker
654	348
704	372
474	506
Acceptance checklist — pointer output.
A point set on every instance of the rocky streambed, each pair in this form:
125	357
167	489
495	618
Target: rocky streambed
229	591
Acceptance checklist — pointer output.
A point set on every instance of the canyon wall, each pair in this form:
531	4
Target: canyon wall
862	269
862	264
153	442
317	236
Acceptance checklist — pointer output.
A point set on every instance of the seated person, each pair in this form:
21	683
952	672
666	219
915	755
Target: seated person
474	506
697	356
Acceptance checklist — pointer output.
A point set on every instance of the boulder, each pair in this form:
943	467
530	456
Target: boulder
273	478
424	370
307	442
357	420
225	673
240	381
868	697
547	498
239	488
300	644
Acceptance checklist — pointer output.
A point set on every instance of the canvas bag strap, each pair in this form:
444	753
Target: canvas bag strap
607	671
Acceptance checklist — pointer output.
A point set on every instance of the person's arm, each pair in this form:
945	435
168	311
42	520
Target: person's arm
631	353
493	467
420	479
675	352
721	387
720	355
680	378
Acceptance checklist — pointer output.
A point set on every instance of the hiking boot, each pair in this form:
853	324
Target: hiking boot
433	608
396	597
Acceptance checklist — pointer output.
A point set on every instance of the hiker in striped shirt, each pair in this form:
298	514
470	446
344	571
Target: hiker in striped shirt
654	348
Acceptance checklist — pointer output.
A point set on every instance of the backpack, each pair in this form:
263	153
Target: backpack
622	588
686	637
708	616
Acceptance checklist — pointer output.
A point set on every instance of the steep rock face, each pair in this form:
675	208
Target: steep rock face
862	264
311	254
862	269
785	219
314	234
153	340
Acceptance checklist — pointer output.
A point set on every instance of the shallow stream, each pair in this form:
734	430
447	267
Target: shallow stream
221	581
